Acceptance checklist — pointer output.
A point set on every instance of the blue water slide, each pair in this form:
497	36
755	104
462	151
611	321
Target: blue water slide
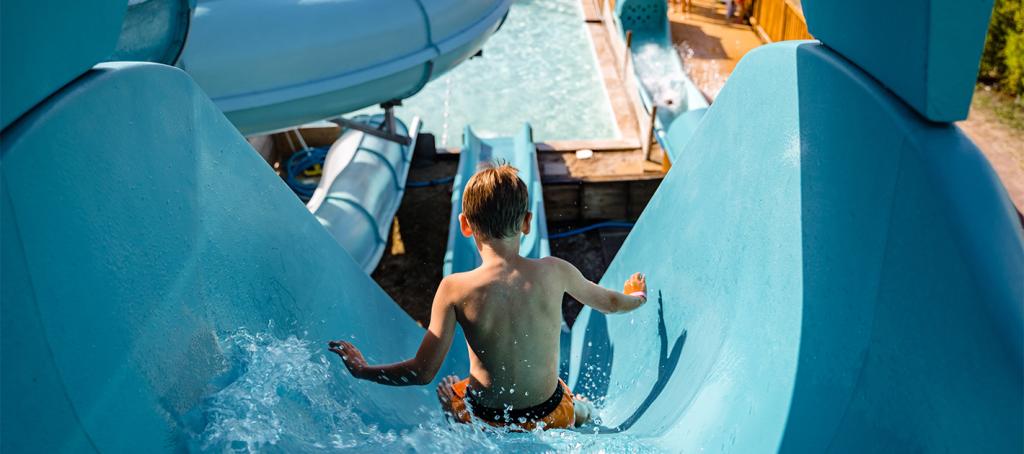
363	181
830	269
833	271
271	64
663	81
123	274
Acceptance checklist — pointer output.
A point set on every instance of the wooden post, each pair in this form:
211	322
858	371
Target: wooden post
782	31
650	133
626	54
397	245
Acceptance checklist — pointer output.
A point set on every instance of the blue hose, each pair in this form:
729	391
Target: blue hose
599	225
302	160
423	184
299	162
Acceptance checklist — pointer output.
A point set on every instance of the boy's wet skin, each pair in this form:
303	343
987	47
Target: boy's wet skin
510	310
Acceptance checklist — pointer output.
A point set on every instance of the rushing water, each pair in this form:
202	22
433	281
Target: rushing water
660	75
539	68
286	395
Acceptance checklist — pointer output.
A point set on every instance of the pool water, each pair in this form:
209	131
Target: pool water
539	68
286	395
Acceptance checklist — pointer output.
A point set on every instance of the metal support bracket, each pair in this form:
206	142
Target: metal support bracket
386	130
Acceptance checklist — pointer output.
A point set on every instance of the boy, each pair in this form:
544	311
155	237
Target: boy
510	310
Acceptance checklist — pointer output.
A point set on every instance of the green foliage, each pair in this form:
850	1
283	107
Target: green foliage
1002	62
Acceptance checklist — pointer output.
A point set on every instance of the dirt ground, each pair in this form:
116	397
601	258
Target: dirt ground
1000	136
412	278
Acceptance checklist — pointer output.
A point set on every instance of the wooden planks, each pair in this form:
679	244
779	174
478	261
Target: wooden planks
595	201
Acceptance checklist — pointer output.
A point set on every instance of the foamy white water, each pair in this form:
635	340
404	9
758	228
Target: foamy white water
286	395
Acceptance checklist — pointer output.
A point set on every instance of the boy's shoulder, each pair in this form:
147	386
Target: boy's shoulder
456	281
460	284
551	267
551	262
466	282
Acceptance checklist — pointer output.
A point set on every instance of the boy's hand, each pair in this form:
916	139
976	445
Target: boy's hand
636	285
350	355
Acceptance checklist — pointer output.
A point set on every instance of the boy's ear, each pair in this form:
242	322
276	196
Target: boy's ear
526	223
467	230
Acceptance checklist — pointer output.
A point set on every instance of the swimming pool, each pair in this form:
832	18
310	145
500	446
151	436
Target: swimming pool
539	68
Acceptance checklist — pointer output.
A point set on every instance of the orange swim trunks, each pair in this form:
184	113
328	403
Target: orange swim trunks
555	413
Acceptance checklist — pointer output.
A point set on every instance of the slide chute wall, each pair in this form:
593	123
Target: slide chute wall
829	270
117	283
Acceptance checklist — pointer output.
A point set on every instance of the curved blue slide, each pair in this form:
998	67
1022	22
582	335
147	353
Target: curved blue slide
663	81
836	272
826	276
272	64
361	187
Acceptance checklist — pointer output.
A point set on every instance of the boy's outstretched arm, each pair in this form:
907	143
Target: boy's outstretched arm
600	298
419	370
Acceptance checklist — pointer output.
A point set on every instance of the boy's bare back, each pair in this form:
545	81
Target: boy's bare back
511	313
510	309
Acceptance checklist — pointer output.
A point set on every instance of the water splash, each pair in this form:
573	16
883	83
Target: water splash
278	395
275	392
447	108
659	75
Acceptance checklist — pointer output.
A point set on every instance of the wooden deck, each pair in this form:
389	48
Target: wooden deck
712	44
617	182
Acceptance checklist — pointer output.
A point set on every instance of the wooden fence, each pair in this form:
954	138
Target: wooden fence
779	20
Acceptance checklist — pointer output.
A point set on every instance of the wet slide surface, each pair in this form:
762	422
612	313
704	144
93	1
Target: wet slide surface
807	263
825	276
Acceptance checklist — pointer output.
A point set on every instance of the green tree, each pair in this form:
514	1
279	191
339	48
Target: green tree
1002	62
1013	53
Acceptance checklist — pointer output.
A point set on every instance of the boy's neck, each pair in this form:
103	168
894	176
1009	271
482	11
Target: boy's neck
494	251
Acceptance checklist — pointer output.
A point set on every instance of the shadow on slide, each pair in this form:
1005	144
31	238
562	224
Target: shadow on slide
596	383
666	367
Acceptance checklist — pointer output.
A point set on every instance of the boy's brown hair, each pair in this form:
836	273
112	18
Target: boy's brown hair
495	202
